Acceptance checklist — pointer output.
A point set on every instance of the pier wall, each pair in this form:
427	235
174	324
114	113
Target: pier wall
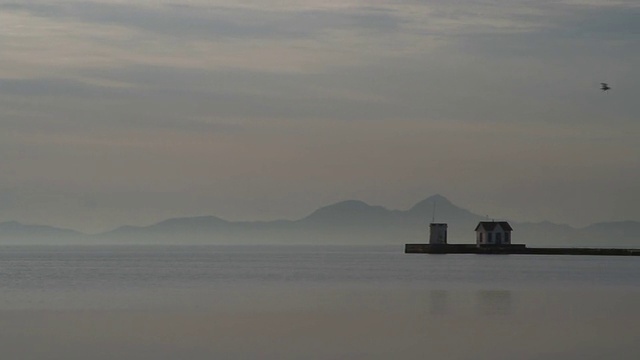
513	249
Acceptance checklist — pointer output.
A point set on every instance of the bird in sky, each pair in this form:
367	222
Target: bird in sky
604	86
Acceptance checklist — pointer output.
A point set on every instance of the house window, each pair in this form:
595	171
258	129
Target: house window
499	238
479	237
490	238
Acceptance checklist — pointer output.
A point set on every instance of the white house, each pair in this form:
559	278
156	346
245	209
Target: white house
493	233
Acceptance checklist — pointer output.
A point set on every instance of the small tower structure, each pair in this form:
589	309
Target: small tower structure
438	234
437	231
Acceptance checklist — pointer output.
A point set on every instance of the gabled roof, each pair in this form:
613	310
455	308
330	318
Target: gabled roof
491	225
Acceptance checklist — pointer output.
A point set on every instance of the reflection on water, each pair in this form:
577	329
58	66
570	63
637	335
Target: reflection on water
157	305
438	302
347	324
487	302
494	302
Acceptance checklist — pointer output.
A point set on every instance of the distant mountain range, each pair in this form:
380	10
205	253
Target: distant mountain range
12	232
349	222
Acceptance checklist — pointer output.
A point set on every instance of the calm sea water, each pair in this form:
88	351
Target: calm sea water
313	303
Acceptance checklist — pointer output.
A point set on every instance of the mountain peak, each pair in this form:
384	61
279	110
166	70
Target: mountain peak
190	222
428	203
444	210
347	209
349	204
346	206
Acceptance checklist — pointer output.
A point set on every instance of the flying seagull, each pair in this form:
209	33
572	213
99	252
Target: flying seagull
604	86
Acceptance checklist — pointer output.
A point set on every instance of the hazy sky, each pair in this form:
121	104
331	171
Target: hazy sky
129	112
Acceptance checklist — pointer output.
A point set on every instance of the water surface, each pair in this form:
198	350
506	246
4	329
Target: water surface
313	303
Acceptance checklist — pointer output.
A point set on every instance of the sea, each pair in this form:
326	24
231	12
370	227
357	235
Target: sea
313	302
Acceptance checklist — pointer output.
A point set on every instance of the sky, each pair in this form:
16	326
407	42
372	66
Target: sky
130	112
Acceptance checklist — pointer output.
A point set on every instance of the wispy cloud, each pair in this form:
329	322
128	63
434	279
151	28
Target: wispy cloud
328	94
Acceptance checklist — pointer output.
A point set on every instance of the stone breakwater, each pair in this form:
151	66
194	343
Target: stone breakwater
516	249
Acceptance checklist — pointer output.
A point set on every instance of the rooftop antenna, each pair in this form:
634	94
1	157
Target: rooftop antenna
433	215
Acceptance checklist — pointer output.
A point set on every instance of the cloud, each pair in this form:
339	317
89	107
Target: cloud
494	58
315	97
280	37
215	21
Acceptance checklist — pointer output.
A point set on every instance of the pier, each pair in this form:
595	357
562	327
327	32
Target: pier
514	249
494	237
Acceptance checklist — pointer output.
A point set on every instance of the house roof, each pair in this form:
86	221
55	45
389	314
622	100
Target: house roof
491	225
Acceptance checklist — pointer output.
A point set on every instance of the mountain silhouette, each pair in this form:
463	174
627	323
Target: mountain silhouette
350	222
13	232
440	209
350	212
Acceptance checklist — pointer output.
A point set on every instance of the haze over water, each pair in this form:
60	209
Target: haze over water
133	113
313	303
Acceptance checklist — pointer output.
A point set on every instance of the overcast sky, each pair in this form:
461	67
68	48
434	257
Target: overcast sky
120	112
